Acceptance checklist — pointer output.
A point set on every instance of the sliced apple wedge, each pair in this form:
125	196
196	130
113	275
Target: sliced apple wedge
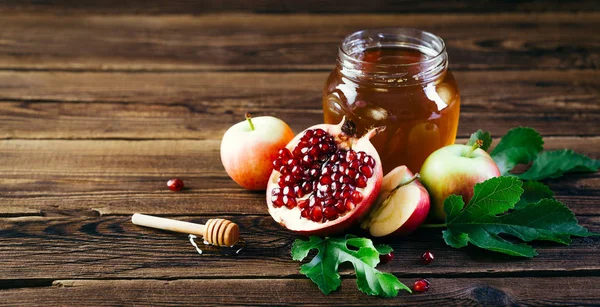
401	207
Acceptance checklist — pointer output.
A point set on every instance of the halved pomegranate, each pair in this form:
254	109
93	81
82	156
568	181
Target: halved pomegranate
325	179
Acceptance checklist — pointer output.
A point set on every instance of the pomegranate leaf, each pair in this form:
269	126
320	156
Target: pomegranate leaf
331	252
492	212
485	137
555	163
518	146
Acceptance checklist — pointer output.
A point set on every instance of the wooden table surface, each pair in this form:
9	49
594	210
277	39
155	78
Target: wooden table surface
101	102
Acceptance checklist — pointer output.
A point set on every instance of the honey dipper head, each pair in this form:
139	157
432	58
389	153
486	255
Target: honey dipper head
221	232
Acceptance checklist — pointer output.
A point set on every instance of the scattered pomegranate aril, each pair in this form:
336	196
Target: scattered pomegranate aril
421	285
386	258
175	184
332	176
427	257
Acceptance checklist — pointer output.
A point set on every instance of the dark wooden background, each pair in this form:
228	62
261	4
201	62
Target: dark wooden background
101	102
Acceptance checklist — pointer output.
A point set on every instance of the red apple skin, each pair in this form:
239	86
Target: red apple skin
247	155
395	177
419	215
448	171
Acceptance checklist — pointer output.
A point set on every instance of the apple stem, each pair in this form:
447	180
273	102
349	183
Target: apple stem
249	119
434	225
477	144
415	177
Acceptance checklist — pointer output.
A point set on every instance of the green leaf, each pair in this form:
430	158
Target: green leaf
364	256
555	163
534	191
492	212
485	137
519	146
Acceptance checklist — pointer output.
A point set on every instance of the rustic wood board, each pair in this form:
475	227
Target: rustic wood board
285	42
102	102
268	292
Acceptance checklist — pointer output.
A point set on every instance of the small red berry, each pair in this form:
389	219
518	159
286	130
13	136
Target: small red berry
421	285
386	258
427	257
175	184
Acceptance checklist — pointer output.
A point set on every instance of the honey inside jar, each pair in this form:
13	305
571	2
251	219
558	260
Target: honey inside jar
397	78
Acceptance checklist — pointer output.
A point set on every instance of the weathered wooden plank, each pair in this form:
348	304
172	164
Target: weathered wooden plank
122	177
270	292
289	42
66	247
203	105
291	6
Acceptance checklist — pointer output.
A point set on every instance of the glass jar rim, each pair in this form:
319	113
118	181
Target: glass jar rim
429	41
427	68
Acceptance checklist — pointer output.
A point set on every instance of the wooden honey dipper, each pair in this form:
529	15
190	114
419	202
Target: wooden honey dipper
219	232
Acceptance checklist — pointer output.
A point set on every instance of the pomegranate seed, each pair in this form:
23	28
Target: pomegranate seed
335	186
288	191
320	132
313	172
307	187
351	173
421	285
340	207
427	257
334	158
285	153
366	170
284	170
324	147
330	213
316	214
346	193
314	141
349	205
278	202
351	155
336	176
305	213
345	180
361	155
312	201
276	191
307	160
386	258
299	192
303	203
325	180
289	179
175	184
309	133
296	170
361	181
327	171
354	164
277	164
337	194
289	202
356	197
329	202
369	161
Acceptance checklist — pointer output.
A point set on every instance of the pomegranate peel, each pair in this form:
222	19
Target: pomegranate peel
325	179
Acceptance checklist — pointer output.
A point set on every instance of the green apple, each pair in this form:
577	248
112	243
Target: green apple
455	169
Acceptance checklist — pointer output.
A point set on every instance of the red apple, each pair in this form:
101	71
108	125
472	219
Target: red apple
455	169
401	207
248	149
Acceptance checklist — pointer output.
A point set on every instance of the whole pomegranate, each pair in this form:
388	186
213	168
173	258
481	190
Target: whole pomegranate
325	179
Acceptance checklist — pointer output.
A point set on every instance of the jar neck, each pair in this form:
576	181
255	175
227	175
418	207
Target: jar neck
430	66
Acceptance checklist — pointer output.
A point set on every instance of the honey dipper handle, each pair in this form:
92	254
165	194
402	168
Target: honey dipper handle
168	224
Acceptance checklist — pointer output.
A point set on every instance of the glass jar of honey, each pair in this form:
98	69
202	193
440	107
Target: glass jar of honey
397	78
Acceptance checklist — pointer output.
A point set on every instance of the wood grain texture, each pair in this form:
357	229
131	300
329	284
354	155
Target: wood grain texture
285	42
122	177
270	292
59	246
291	6
66	105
